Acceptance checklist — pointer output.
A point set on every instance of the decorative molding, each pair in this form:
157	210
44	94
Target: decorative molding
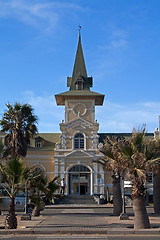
79	122
82	105
39	156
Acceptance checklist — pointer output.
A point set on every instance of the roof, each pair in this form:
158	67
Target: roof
50	139
79	65
102	136
79	73
82	94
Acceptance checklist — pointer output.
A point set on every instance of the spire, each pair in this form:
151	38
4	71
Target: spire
79	64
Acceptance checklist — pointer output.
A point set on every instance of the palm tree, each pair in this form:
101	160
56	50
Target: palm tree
13	173
1	148
153	152
111	164
135	156
38	185
19	123
156	190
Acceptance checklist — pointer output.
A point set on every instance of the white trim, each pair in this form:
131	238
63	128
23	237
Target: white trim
40	156
79	100
42	161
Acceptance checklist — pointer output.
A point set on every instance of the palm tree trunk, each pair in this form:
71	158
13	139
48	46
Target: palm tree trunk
11	219
117	196
156	192
36	211
141	220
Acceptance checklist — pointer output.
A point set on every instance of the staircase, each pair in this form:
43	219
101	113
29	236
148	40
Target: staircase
82	199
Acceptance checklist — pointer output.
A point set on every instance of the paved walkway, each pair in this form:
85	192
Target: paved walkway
76	219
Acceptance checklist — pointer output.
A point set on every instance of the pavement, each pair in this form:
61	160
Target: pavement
80	219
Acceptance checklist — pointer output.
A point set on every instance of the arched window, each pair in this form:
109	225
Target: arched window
39	171
79	141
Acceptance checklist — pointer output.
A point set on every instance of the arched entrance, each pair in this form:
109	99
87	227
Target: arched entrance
79	179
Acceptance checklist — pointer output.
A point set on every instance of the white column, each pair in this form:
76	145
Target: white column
55	167
93	110
62	168
95	177
91	188
66	111
63	140
102	179
94	140
85	142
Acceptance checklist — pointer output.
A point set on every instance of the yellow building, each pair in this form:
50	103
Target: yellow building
72	154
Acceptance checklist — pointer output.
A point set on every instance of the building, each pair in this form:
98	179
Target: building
73	153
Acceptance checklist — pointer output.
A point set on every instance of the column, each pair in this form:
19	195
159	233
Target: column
55	167
95	165
102	179
62	168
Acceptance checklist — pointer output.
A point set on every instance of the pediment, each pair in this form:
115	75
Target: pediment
79	124
79	153
79	127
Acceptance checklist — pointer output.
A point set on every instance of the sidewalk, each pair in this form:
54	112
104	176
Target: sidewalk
95	219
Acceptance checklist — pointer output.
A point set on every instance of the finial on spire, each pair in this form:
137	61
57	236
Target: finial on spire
79	28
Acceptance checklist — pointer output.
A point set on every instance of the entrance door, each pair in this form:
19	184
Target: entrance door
79	180
74	184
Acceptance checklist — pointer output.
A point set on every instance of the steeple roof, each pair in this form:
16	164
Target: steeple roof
79	65
79	83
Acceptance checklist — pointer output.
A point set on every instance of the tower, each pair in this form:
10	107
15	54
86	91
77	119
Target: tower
76	154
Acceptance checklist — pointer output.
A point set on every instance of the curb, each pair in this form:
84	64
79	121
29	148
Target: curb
81	232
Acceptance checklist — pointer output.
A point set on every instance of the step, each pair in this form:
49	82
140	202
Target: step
82	199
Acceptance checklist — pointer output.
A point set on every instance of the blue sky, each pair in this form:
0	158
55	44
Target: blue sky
121	44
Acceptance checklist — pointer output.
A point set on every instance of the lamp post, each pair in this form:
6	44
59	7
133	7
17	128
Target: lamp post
26	215
123	215
26	199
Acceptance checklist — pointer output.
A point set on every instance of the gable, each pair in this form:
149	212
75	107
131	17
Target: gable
80	153
79	124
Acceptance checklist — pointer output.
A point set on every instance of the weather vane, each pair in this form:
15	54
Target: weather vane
79	28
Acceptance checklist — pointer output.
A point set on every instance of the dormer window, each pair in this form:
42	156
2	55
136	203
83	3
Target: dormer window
79	83
39	142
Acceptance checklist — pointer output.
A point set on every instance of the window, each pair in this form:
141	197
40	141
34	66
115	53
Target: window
39	171
79	83
79	168
38	144
79	141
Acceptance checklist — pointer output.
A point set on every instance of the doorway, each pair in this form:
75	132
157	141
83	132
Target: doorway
79	180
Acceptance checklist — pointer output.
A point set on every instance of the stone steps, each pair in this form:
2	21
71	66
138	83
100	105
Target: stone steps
82	199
